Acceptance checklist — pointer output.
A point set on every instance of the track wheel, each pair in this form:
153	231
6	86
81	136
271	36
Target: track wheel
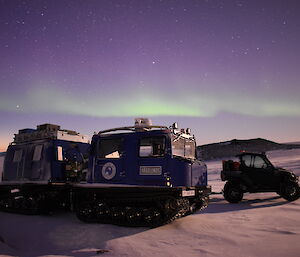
134	216
85	212
102	211
172	205
29	205
152	217
117	213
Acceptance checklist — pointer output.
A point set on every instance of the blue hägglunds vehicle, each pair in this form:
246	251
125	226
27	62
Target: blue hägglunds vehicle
142	175
40	167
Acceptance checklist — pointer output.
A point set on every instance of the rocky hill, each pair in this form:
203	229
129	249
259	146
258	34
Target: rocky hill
235	146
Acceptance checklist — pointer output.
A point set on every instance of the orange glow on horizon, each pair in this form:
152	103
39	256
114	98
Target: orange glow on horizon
3	147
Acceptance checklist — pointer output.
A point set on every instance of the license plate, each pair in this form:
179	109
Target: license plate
150	170
188	193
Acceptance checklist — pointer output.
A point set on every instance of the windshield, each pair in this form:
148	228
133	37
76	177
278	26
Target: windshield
152	147
183	147
110	148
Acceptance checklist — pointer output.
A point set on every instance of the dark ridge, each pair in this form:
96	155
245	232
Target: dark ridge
236	146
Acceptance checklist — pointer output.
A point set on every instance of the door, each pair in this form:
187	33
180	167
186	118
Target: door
109	160
152	161
259	171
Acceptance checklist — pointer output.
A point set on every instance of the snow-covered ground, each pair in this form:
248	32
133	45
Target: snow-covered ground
262	225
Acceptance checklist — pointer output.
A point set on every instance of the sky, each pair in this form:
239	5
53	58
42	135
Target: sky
225	68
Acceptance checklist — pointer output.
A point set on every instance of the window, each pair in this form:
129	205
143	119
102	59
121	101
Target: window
37	152
152	147
259	163
178	147
60	153
189	149
246	159
18	155
183	147
110	148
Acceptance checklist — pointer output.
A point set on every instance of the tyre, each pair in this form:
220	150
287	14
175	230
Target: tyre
290	191
232	192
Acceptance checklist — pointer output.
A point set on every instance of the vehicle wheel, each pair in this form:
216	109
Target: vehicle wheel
290	191
232	192
85	212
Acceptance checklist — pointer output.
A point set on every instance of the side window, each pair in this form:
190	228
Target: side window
17	155
183	147
178	147
110	148
189	149
60	153
146	148
152	147
37	154
246	159
259	162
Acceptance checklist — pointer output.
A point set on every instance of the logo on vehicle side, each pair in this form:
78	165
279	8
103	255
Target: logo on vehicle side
108	171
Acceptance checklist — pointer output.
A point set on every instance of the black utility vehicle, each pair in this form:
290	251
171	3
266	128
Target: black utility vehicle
254	173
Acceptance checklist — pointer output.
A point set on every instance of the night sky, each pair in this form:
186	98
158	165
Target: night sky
226	69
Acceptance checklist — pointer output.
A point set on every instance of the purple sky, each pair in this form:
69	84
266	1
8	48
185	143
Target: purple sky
226	69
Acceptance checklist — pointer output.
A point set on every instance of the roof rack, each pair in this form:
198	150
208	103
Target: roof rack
48	131
133	129
145	124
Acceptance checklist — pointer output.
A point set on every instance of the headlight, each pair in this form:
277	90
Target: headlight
293	176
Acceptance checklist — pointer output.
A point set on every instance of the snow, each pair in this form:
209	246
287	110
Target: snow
261	225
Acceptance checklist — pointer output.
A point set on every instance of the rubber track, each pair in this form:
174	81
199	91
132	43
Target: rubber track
22	203
140	205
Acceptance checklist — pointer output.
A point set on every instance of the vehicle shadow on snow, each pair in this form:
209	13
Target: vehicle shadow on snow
61	234
218	205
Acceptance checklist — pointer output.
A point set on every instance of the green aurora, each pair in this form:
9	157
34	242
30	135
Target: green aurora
137	103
